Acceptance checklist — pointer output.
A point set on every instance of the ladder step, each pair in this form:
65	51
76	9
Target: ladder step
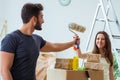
116	36
103	20
118	50
112	20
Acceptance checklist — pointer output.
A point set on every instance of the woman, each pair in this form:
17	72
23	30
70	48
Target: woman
102	46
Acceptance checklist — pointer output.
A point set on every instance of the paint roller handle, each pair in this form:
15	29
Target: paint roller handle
77	45
77	42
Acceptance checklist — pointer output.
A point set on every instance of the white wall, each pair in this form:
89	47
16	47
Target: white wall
57	18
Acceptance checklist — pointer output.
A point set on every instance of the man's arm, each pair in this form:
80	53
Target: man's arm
6	64
55	47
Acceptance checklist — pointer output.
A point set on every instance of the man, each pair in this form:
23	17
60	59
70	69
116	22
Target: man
20	49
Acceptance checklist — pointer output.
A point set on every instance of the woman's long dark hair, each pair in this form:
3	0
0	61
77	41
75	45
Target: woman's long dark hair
107	47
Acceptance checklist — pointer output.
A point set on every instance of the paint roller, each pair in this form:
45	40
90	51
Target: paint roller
75	27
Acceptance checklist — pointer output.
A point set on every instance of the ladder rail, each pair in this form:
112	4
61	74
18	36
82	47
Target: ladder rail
114	14
105	17
93	24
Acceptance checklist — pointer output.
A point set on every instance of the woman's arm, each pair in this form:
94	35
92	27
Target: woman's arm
111	70
81	55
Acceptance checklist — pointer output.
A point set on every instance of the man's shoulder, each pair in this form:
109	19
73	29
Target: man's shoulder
11	35
36	36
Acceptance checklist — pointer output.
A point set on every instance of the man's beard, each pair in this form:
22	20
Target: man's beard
38	26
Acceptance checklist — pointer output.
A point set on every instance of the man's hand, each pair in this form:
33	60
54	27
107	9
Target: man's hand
77	42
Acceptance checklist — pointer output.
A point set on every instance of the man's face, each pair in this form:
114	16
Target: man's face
39	22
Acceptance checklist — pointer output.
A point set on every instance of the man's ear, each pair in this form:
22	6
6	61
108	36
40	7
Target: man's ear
34	20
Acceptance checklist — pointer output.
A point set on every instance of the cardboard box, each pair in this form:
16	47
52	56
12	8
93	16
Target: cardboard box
61	74
92	65
64	63
93	57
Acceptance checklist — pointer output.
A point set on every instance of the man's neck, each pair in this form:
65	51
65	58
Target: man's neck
27	29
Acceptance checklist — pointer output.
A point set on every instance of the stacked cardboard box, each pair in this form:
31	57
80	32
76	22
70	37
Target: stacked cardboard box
63	70
93	62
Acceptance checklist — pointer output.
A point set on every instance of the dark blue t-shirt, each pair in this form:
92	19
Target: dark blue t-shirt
26	50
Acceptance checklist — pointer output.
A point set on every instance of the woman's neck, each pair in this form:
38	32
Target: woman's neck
102	52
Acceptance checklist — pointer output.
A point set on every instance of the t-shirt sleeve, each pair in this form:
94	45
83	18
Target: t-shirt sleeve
42	42
39	40
8	44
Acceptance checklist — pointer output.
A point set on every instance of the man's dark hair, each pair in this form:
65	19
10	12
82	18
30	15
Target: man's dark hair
29	10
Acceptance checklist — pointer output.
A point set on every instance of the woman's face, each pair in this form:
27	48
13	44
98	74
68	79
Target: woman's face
100	41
